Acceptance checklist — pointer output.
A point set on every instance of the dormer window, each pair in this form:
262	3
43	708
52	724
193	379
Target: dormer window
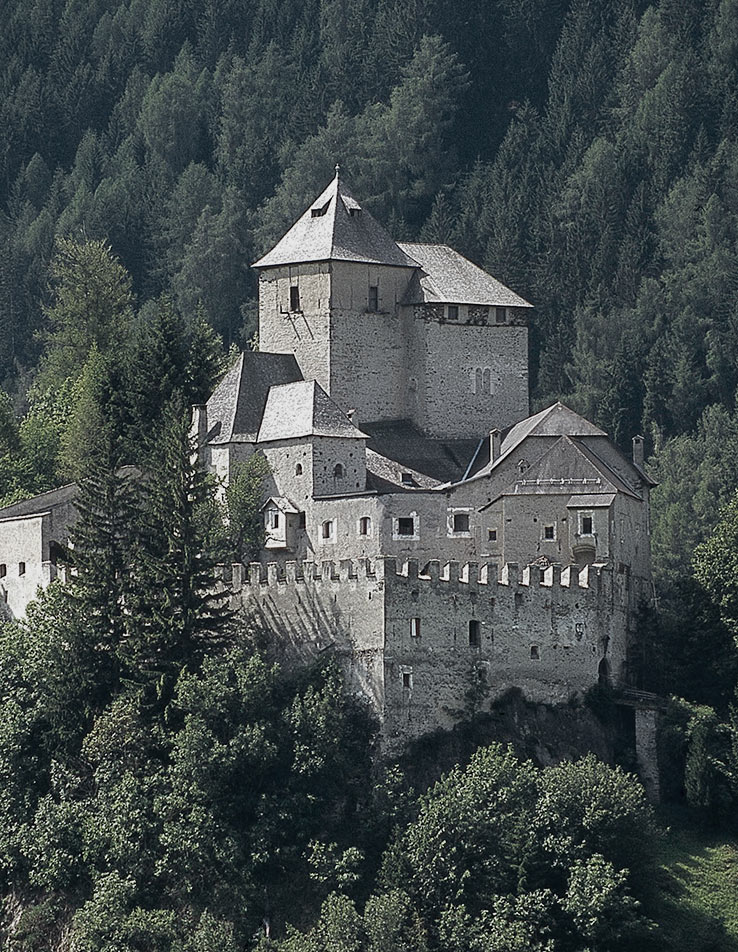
320	210
354	212
294	298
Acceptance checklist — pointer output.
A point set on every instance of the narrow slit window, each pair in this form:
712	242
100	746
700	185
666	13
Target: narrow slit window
586	525
407	680
21	568
3	570
294	298
415	628
373	297
475	634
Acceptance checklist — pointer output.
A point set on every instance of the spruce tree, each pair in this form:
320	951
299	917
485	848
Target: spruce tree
101	544
175	612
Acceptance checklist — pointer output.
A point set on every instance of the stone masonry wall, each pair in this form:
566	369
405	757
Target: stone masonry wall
466	375
545	632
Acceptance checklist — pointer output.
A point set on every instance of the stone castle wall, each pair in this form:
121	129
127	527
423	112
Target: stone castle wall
405	640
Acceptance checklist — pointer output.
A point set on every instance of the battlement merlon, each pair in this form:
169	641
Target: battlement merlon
596	578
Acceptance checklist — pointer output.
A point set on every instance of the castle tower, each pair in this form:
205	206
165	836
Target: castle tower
330	293
394	331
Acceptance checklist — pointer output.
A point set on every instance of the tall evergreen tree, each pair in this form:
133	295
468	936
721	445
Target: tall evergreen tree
175	613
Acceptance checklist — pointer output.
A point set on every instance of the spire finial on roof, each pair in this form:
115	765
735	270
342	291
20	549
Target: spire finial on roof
338	169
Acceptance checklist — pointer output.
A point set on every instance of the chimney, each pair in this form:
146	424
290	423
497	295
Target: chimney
200	423
638	451
494	445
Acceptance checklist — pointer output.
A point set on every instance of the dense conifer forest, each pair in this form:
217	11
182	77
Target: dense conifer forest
165	786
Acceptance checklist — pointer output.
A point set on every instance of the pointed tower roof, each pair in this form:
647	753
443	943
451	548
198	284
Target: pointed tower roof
336	228
295	410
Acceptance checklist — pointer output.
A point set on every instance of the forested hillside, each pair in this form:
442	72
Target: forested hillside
165	786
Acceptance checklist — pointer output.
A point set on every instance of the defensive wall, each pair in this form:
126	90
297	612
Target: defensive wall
426	646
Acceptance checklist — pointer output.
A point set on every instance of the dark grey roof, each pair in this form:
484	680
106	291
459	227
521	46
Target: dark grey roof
41	503
451	278
413	452
336	228
237	405
295	410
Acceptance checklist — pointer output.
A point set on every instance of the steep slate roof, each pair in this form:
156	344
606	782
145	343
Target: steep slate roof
336	228
236	407
556	420
451	278
295	410
37	505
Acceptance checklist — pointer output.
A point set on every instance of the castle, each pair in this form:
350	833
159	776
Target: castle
420	523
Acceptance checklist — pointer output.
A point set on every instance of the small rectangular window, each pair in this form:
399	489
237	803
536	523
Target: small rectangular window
274	520
294	298
407	479
501	315
327	529
406	526
415	628
549	533
534	653
407	680
21	568
453	312
373	297
461	522
491	535
475	634
586	525
365	525
3	570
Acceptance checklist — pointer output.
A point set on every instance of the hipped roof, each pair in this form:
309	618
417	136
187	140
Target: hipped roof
296	410
336	228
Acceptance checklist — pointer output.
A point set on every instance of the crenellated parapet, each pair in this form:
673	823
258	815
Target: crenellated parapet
411	636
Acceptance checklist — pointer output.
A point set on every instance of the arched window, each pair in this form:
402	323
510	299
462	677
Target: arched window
298	469
339	471
365	526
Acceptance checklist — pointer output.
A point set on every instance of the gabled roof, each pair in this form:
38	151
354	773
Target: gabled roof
295	410
282	503
449	277
568	468
336	228
236	407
